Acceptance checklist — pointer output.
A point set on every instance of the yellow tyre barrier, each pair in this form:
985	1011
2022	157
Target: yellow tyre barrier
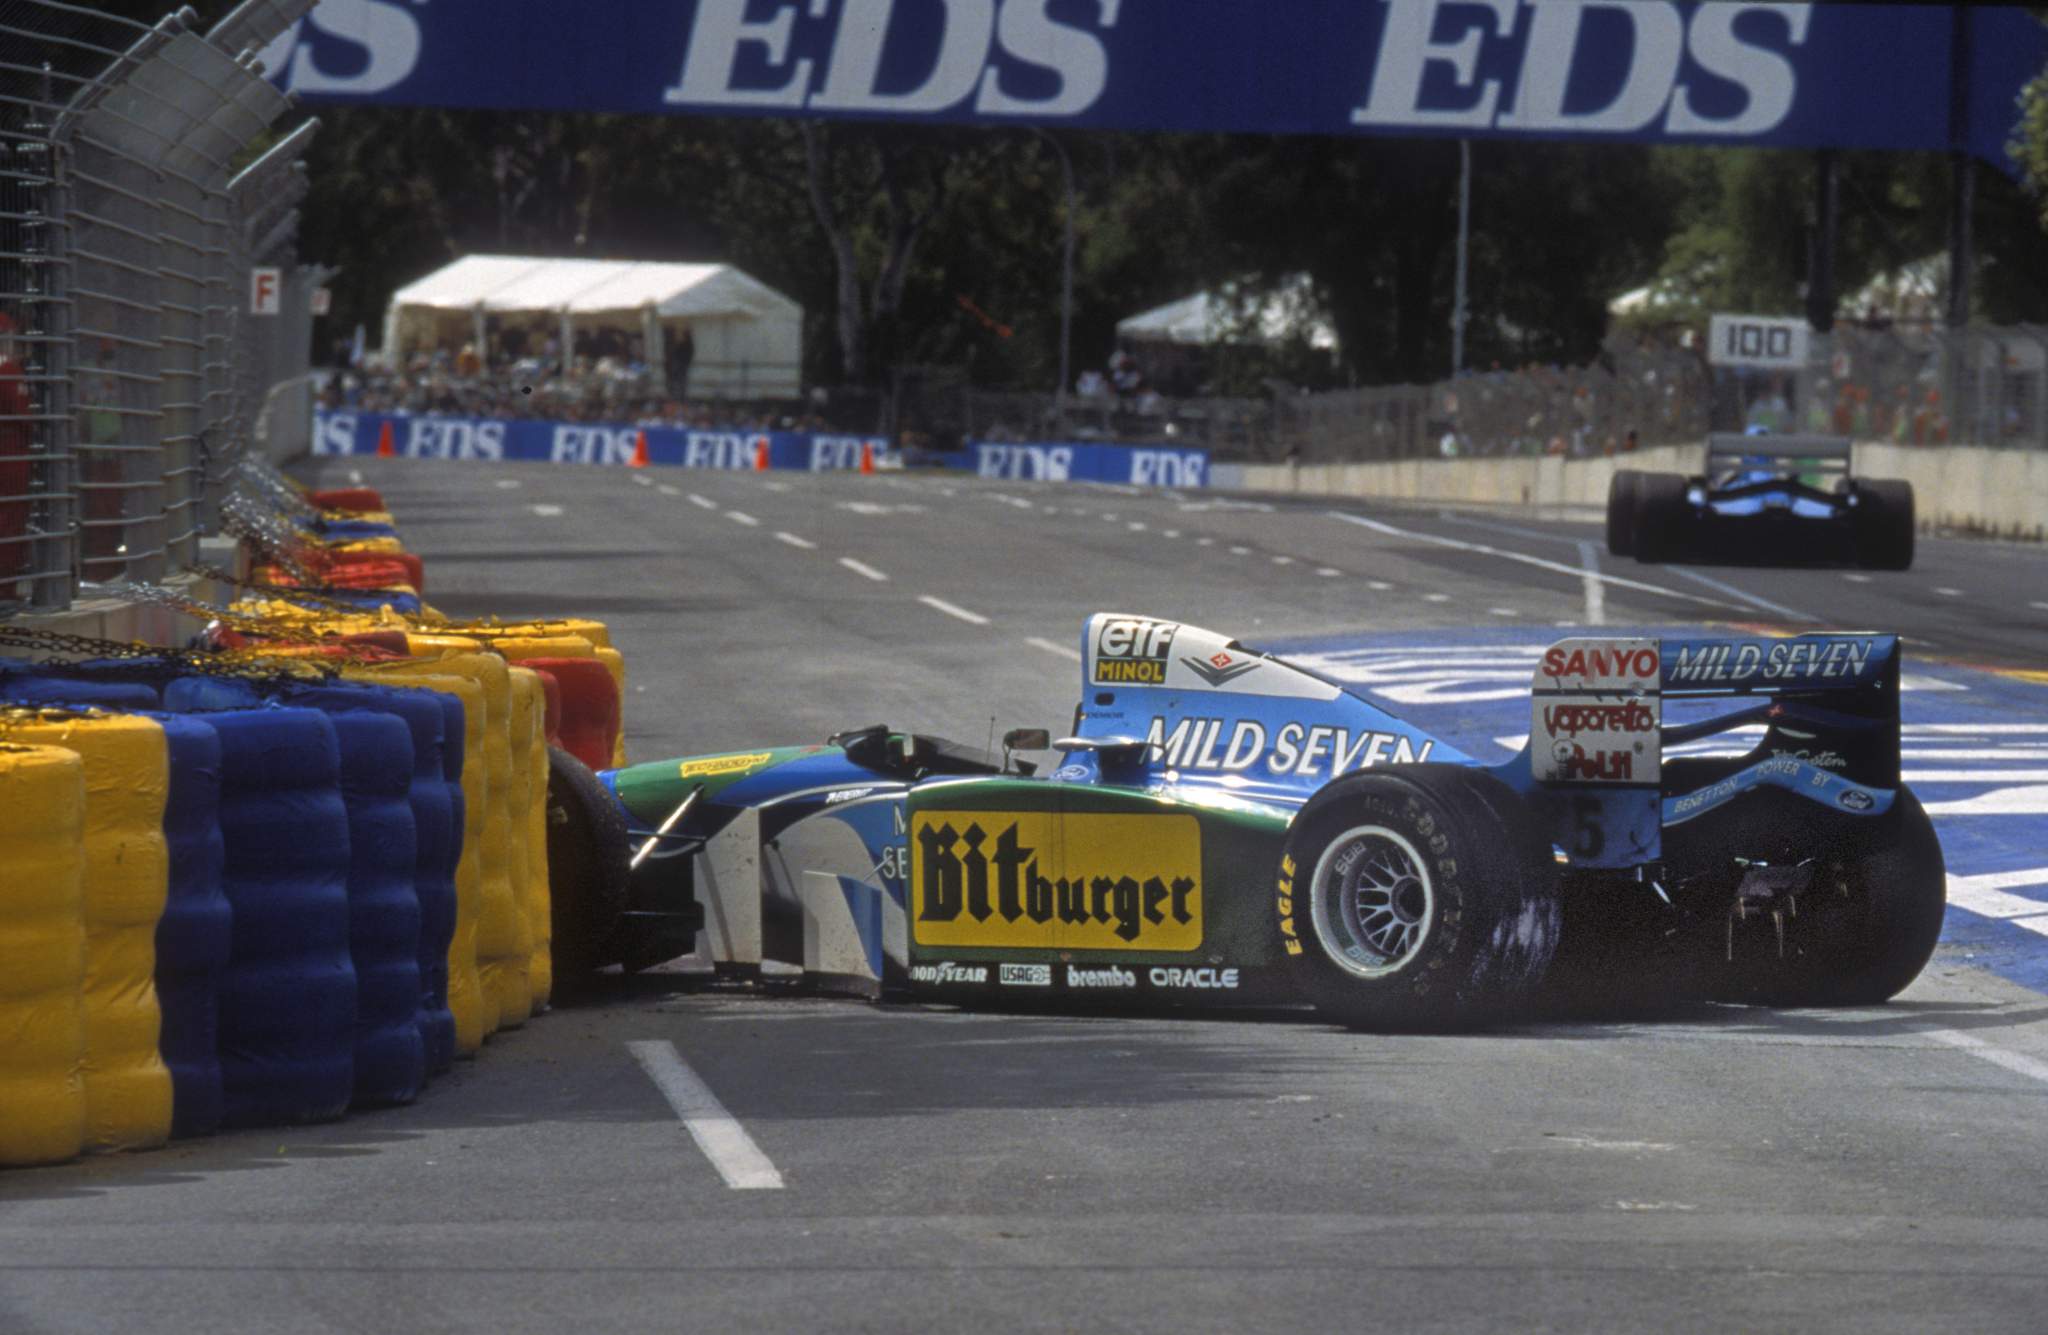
534	839
505	949
127	878
42	955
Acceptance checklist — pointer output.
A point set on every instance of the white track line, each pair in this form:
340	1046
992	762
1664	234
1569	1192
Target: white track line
958	613
502	484
741	517
703	502
1559	567
1329	572
1948	593
1063	650
1978	1048
717	1132
1596	596
666	490
1283	560
546	511
802	544
2039	607
864	570
1765	604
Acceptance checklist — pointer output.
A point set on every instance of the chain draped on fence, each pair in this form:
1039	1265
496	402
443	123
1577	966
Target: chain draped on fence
139	185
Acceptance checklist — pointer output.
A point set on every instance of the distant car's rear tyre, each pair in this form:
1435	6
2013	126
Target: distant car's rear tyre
1419	898
588	864
1621	511
1884	524
1663	522
1867	922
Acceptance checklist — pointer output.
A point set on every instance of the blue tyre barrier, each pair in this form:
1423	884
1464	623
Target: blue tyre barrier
353	529
376	736
288	995
39	687
186	695
195	935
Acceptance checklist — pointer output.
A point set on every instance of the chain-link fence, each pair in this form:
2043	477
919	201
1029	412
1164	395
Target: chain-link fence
1926	385
135	345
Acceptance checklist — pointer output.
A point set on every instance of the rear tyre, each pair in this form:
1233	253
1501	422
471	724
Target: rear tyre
1866	923
588	863
1621	512
1422	898
1662	521
1884	524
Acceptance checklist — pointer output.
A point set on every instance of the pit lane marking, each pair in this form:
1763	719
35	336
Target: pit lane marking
1063	650
864	570
703	502
1789	613
958	613
741	517
1978	1048
1595	592
801	544
717	1132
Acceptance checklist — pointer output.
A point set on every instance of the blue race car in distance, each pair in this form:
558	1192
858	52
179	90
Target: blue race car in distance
1776	498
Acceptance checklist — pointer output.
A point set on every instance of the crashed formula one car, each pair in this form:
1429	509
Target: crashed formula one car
1759	497
1226	828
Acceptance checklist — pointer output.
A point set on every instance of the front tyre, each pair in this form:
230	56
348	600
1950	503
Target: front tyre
1420	898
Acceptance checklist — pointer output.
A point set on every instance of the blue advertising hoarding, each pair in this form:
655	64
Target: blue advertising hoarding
500	439
1814	75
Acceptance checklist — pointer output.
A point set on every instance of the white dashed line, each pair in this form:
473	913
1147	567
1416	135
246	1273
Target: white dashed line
1504	611
958	613
2039	607
1135	527
1205	542
355	478
740	517
703	502
1857	579
1329	572
1379	586
1063	650
1283	560
776	486
863	569
1172	533
666	490
642	480
546	511
801	544
1595	591
1948	593
717	1132
1109	519
502	484
1436	597
1240	551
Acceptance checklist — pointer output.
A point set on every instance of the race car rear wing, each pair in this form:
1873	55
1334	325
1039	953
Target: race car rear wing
1606	713
1814	453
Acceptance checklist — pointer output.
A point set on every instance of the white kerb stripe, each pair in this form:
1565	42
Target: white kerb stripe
863	569
959	613
717	1132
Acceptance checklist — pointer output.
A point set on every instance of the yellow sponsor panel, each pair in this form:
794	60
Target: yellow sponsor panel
1045	881
695	769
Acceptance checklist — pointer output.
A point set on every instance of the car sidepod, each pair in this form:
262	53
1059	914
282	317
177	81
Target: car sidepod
1022	890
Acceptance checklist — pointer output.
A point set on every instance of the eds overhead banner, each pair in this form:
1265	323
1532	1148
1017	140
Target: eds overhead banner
1673	71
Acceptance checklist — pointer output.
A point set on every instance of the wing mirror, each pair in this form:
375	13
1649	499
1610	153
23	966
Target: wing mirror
1027	739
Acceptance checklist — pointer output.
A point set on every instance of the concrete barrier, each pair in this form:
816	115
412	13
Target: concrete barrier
1999	493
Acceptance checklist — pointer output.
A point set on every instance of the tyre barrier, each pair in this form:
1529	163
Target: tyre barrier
588	728
531	839
195	935
126	881
377	765
351	499
42	945
288	995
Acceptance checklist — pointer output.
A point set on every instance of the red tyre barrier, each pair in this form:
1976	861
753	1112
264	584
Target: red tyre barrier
551	689
589	725
357	500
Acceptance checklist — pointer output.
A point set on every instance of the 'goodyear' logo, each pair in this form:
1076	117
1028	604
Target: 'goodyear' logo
1133	651
698	769
1130	882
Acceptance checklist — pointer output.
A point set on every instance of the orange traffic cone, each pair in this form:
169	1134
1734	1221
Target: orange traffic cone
384	446
867	457
639	459
761	455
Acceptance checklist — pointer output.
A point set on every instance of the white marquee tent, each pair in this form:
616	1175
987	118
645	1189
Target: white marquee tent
748	337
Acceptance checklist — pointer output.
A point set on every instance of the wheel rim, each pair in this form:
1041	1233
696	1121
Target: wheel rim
1372	902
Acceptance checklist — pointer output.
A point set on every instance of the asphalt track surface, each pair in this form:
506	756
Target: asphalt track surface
926	1168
